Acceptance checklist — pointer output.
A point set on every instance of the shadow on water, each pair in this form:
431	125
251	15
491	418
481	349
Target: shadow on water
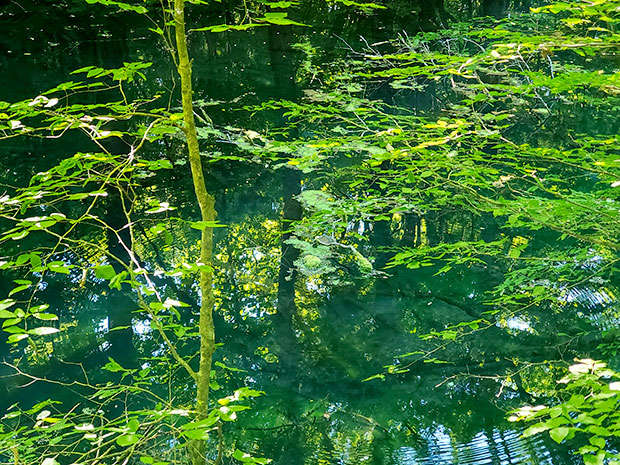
499	447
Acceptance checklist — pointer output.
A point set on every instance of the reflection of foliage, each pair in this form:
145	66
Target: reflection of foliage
78	219
248	260
433	183
474	159
323	255
497	168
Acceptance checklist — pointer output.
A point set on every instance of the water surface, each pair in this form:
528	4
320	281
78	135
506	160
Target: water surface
309	345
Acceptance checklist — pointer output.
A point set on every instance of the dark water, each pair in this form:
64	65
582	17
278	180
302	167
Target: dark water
307	344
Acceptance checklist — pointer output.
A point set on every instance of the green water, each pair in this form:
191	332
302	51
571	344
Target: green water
306	344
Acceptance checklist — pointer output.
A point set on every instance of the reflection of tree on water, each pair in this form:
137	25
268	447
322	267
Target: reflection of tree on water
283	69
338	328
119	302
337	333
287	275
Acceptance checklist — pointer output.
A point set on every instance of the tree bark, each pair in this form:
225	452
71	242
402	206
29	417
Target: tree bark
206	203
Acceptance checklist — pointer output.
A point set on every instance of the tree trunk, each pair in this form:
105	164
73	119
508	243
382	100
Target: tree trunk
496	8
206	202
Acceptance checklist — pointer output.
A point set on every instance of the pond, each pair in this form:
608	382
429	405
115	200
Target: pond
310	343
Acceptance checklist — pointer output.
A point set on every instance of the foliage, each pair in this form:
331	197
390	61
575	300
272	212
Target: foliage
462	145
87	208
492	140
87	433
588	406
379	162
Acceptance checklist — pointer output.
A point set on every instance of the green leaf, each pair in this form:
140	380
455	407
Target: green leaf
19	288
594	459
7	314
279	19
535	429
23	258
58	267
514	253
45	316
82	70
113	366
559	434
6	303
95	72
599	430
16	337
121	5
117	281
598	442
104	272
127	439
206	224
43	331
15	330
199	434
11	322
133	425
241	456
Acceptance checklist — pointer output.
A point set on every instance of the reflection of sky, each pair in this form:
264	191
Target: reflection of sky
602	302
518	323
588	297
141	327
503	448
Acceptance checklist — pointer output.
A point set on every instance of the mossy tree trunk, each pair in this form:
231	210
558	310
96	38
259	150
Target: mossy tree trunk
206	203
